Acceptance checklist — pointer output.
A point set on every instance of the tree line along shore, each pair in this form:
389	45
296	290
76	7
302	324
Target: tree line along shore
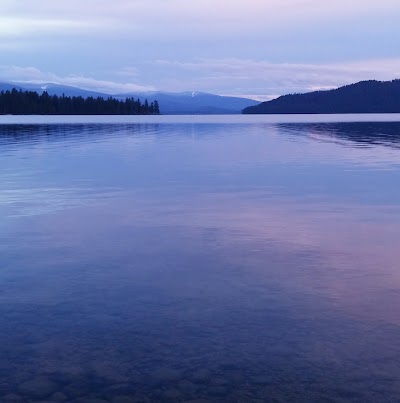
16	102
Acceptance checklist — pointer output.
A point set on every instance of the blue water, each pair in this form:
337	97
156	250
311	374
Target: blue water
203	259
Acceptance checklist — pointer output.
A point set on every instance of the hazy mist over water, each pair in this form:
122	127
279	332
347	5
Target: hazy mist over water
228	259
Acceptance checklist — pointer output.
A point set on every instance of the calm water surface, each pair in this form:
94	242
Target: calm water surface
203	259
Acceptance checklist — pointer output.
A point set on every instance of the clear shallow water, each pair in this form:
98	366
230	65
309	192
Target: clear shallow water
154	259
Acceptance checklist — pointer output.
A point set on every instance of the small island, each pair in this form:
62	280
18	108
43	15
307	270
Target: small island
363	97
16	102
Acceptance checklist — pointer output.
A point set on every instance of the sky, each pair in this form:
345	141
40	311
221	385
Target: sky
255	48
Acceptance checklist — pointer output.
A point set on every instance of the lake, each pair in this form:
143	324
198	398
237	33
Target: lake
200	258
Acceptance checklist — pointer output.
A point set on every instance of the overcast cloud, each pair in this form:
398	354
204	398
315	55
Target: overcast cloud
261	48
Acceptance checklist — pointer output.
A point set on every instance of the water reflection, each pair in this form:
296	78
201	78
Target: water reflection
67	134
228	262
365	134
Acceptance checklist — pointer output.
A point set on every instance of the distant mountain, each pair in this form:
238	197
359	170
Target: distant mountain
59	90
194	103
183	103
363	97
9	87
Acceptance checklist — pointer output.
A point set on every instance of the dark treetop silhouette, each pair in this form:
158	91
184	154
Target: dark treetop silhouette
16	102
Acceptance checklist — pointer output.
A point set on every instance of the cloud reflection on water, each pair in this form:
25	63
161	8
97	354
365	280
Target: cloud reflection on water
252	251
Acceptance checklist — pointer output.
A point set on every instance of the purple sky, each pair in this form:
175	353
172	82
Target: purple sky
257	48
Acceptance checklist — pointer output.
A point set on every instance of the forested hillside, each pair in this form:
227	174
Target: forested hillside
363	97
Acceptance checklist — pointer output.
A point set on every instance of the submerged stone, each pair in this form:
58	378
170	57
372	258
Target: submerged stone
90	400
140	398
187	387
172	394
58	397
12	398
38	388
123	399
218	391
201	375
166	375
